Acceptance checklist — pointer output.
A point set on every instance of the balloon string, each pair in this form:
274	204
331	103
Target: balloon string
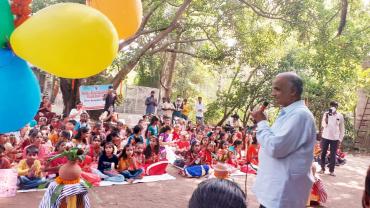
73	85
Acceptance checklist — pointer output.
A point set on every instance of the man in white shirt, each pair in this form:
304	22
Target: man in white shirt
160	108
167	108
199	115
332	134
284	178
76	112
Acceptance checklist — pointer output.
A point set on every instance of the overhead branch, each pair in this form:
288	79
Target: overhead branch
183	52
141	28
133	38
332	17
132	63
192	54
209	37
166	45
262	13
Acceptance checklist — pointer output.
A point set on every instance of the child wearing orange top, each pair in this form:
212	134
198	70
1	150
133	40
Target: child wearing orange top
128	164
252	154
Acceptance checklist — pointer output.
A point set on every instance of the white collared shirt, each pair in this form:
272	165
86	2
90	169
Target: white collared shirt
334	129
199	107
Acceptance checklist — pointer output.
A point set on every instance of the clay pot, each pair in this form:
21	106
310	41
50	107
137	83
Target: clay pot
70	171
221	171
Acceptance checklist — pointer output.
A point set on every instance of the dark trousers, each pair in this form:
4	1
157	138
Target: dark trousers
325	143
261	206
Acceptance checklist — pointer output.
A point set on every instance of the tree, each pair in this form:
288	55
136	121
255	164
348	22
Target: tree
236	47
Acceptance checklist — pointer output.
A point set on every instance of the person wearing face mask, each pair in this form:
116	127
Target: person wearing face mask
332	135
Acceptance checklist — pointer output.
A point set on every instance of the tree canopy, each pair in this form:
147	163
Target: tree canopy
228	51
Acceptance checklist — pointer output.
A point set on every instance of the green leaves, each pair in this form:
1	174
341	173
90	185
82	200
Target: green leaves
56	194
72	155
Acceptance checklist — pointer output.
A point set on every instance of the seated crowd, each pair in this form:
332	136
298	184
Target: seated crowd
115	152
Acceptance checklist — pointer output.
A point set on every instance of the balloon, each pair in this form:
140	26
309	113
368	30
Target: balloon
125	14
19	92
68	40
6	22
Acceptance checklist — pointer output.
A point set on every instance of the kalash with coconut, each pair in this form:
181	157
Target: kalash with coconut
68	190
222	170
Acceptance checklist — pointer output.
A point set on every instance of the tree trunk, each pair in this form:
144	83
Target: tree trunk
70	93
169	70
226	115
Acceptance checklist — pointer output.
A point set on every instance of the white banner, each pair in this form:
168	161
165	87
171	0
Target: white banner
92	96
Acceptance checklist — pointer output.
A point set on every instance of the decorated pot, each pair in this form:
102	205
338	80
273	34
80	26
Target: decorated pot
221	170
70	171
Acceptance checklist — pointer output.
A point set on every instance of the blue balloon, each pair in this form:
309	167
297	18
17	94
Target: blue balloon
19	92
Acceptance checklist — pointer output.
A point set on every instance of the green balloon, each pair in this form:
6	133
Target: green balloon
6	22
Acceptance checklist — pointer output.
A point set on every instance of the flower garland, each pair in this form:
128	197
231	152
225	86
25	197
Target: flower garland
21	9
61	181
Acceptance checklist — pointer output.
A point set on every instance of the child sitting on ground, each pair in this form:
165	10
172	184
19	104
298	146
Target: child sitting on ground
164	139
193	156
136	136
152	151
223	152
204	143
128	164
95	148
183	145
4	162
194	165
107	164
139	154
209	154
53	166
252	154
29	169
236	152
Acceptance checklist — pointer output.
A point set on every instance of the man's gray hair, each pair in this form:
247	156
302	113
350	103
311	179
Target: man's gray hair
296	81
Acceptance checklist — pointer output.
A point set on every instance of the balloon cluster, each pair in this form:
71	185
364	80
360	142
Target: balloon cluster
68	40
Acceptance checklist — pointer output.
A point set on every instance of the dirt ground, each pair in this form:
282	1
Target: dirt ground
344	190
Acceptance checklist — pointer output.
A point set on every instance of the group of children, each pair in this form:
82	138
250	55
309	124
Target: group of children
117	153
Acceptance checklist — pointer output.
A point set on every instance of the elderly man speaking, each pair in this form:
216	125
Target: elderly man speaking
284	179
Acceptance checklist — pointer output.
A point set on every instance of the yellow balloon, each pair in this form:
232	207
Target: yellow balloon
126	15
68	40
